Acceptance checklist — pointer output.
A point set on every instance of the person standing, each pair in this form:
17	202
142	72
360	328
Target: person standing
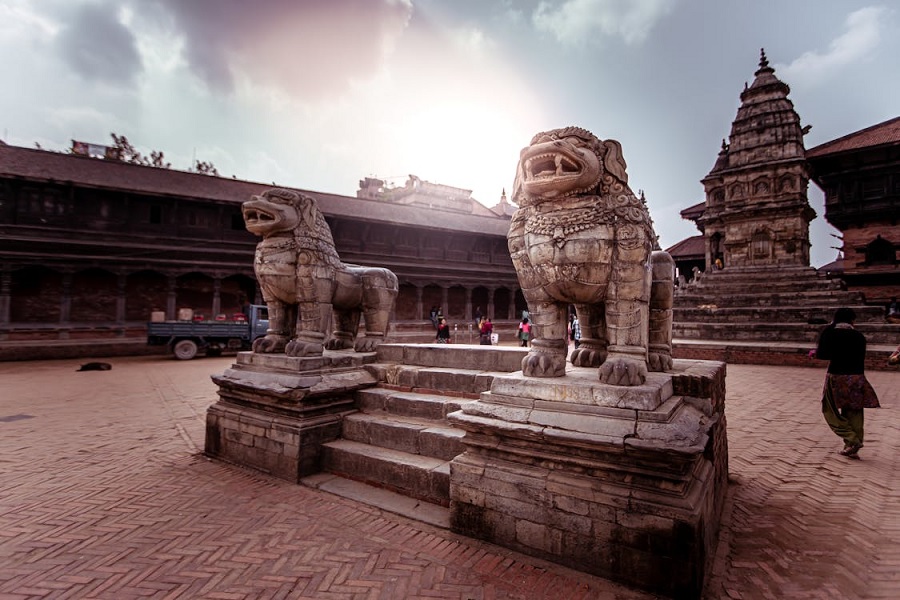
487	328
525	331
847	391
443	332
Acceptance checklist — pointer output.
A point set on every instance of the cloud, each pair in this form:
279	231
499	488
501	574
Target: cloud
577	21
307	48
861	38
96	44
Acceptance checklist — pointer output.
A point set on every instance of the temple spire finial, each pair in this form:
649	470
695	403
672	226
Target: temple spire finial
763	61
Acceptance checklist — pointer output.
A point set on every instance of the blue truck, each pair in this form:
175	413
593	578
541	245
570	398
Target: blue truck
185	339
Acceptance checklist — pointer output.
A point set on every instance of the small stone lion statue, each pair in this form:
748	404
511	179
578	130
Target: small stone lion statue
304	282
580	237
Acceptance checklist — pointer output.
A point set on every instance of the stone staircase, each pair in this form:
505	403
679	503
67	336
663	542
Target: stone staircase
395	452
784	305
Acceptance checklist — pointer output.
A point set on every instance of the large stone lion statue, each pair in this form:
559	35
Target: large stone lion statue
304	282
580	237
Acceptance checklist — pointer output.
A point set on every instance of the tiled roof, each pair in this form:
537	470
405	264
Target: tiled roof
692	247
41	165
886	133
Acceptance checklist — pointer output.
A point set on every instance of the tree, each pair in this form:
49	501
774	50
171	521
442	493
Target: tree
158	160
207	168
126	152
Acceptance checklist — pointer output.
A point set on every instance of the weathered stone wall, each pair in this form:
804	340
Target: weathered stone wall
582	486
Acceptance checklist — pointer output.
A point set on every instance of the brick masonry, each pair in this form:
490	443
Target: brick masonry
106	494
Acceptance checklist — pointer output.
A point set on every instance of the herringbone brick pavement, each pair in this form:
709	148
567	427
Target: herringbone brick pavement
104	494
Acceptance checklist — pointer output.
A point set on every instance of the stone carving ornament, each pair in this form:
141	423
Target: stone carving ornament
581	237
304	282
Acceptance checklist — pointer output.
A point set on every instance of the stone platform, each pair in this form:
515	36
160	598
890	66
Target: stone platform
275	412
625	483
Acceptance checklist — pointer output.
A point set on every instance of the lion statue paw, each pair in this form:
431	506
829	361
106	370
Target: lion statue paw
588	355
539	364
303	348
659	361
339	343
367	343
270	344
623	371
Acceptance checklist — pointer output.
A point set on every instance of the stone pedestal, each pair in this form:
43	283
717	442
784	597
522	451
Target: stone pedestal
623	482
274	411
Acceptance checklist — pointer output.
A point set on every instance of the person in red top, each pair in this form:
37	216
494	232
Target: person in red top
443	332
487	328
847	391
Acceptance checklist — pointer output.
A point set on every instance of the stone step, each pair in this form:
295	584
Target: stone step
757	332
775	285
400	504
876	333
767	297
415	436
770	314
503	359
422	477
459	382
408	404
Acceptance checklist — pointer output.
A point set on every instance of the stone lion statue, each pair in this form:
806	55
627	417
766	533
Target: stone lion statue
304	282
580	237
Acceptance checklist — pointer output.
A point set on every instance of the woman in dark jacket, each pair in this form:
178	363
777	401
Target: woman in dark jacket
847	391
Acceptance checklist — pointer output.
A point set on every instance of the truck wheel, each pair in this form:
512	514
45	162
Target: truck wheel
185	349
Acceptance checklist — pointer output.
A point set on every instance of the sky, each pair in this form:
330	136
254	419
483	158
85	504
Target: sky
318	94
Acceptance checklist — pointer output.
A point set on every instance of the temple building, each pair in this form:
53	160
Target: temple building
746	282
860	175
90	246
757	213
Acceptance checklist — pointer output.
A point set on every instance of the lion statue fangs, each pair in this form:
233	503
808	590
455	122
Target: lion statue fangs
581	237
304	283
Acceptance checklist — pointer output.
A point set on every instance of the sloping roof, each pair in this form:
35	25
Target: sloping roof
693	212
42	165
886	133
692	247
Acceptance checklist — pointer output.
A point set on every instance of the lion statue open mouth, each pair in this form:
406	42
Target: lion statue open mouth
581	237
304	283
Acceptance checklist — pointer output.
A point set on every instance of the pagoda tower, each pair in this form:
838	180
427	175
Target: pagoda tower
757	213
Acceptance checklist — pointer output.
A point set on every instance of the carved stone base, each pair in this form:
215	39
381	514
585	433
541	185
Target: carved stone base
274	411
623	482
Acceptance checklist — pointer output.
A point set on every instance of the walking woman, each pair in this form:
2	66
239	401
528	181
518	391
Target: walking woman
847	391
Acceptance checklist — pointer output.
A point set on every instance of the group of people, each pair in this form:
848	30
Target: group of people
442	329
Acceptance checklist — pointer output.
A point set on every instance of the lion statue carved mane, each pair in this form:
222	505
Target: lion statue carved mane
580	237
304	283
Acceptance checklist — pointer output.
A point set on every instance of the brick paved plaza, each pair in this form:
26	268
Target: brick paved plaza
104	493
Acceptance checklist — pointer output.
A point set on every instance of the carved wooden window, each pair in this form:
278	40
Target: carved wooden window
761	245
873	188
786	184
880	252
737	191
761	186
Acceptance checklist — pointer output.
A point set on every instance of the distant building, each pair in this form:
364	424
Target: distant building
860	175
89	247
